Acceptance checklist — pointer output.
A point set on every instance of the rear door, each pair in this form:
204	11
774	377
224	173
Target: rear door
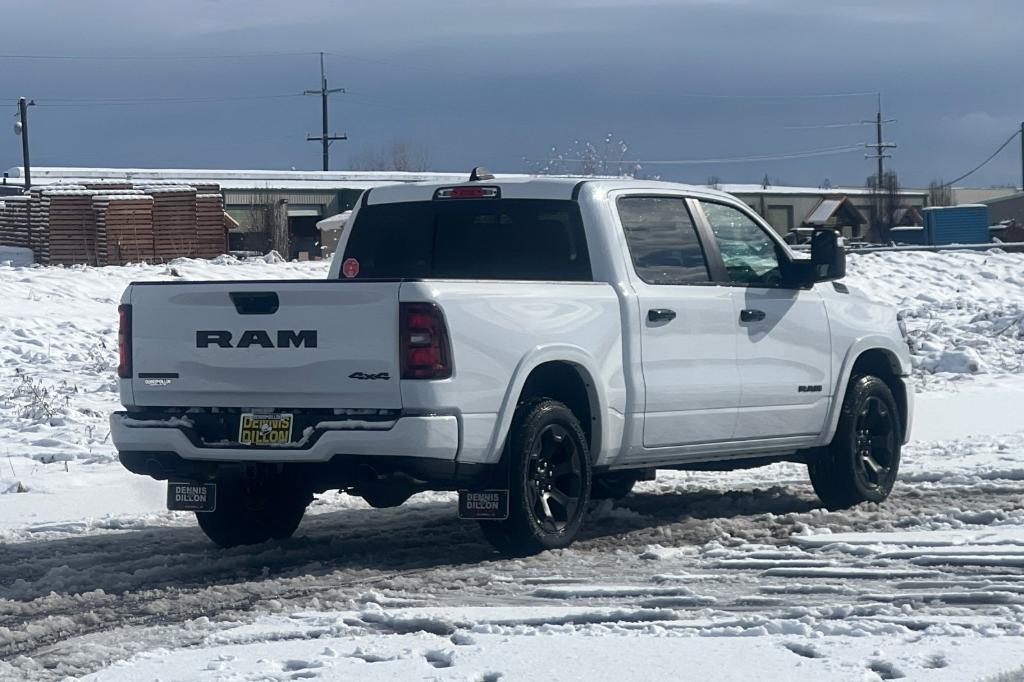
784	353
688	341
304	344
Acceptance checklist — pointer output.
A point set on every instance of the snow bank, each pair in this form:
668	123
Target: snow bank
964	309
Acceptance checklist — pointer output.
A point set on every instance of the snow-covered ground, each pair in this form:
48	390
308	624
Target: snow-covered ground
693	576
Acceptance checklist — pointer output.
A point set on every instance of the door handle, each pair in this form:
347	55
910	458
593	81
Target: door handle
751	315
660	315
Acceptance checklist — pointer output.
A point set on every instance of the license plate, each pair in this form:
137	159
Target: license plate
265	429
483	505
198	497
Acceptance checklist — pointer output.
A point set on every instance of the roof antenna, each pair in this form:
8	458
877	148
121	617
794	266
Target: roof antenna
480	173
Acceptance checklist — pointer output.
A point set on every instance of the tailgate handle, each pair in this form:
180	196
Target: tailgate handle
255	302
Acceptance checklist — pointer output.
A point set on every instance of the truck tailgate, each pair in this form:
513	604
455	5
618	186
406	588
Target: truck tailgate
275	344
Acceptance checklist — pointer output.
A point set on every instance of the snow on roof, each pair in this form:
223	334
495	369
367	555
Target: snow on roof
63	192
824	211
816	191
243	179
54	187
166	189
944	208
100	198
334	222
207	195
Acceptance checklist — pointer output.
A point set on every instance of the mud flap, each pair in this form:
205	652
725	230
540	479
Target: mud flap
483	505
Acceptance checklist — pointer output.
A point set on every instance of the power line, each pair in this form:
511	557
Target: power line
983	163
135	101
140	58
819	95
825	151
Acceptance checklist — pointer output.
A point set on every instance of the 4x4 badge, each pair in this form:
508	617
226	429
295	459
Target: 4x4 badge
363	376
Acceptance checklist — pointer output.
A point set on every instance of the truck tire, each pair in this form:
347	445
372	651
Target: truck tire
249	513
549	481
612	486
862	462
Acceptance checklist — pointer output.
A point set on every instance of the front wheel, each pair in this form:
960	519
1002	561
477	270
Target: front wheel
250	512
549	481
861	463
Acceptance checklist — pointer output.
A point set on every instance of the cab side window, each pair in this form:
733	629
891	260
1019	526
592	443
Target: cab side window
663	241
750	256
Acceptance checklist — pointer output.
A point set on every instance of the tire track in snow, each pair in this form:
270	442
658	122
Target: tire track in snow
166	576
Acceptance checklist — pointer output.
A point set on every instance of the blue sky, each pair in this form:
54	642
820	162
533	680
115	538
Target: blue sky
494	83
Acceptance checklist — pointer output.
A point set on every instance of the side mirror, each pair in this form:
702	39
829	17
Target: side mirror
828	257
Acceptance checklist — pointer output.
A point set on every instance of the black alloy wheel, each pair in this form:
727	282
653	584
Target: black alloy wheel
554	481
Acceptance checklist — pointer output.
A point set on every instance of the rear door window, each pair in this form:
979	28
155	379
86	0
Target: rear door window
517	239
662	240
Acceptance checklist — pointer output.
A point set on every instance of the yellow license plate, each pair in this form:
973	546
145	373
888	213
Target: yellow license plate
265	429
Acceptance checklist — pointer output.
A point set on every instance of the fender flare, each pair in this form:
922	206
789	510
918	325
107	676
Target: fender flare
565	353
897	357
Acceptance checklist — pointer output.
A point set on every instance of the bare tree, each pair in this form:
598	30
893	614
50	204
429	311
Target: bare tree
397	155
714	182
885	198
584	157
939	194
267	225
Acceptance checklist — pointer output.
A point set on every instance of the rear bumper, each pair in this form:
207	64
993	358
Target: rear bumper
341	472
433	438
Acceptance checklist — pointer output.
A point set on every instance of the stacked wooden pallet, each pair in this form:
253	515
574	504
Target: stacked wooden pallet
14	221
212	235
39	219
38	240
70	226
175	233
124	227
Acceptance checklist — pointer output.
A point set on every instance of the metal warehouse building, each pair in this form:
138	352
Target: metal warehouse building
296	200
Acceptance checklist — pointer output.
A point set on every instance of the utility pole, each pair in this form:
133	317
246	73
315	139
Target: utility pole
21	128
879	146
324	138
1022	156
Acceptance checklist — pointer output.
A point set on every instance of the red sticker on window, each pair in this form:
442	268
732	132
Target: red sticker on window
350	268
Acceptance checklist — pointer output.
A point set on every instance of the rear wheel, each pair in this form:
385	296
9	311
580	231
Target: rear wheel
862	462
250	512
549	481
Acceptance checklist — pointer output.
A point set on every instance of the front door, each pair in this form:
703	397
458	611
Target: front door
783	343
688	337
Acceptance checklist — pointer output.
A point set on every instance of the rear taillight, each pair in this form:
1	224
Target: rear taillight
124	341
425	348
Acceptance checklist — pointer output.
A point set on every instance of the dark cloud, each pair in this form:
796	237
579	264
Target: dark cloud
494	83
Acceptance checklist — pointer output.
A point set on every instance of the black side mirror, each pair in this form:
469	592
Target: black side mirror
828	257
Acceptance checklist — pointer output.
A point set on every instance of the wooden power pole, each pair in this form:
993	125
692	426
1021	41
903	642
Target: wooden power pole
324	137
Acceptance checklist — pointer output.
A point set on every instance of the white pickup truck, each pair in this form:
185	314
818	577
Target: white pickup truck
531	343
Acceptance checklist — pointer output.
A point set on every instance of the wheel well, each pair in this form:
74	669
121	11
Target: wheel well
885	366
569	384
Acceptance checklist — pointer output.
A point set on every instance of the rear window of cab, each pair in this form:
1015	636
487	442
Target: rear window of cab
505	239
